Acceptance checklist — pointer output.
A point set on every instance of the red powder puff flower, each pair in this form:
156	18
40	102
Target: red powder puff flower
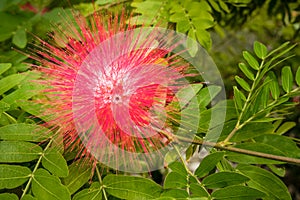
108	89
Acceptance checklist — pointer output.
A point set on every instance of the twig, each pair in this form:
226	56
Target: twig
239	150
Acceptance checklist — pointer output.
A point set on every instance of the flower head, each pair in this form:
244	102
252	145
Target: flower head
109	86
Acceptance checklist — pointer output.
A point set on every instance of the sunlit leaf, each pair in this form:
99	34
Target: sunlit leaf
25	92
239	98
251	60
298	76
4	67
287	78
10	81
274	86
3	107
280	171
282	46
242	83
285	127
260	50
191	43
20	38
246	71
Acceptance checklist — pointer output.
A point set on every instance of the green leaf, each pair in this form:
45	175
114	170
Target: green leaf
20	38
48	187
237	192
151	12
224	6
24	132
9	82
175	193
261	98
279	48
178	168
287	78
186	94
204	38
223	179
285	127
298	76
79	174
8	196
246	71
208	163
257	147
12	176
242	83
285	144
198	190
4	67
264	180
251	130
3	107
214	5
280	171
175	180
18	151
165	198
239	98
25	92
34	108
191	44
206	95
274	86
260	50
130	187
29	197
55	163
250	60
94	192
103	2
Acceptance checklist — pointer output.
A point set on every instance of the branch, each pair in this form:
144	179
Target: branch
238	150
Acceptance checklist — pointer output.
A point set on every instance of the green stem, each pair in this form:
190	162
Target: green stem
35	168
101	183
187	169
226	141
241	115
238	150
11	118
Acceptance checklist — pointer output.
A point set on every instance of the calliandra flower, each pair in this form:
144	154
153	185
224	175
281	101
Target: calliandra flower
109	86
